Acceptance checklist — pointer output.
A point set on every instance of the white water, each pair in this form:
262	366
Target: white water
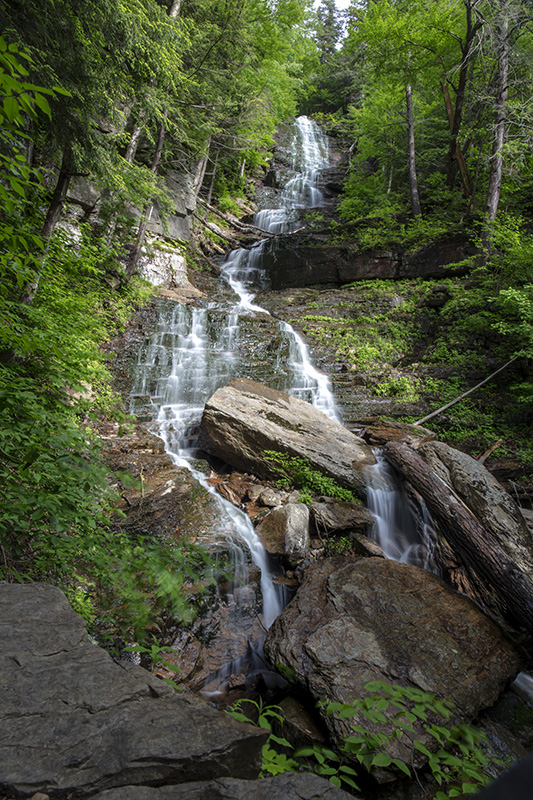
194	351
402	534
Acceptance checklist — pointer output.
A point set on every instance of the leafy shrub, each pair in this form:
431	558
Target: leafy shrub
274	760
403	388
298	472
457	761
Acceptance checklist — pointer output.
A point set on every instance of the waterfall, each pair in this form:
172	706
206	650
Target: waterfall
403	526
194	351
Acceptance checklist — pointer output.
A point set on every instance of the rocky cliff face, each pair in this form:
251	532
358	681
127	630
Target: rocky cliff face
304	259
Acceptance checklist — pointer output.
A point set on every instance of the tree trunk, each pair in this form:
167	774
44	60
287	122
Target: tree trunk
458	158
135	137
201	168
455	155
148	210
213	178
484	558
52	215
413	181
496	165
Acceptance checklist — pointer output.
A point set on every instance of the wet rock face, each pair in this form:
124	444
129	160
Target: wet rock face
308	259
243	419
353	621
166	502
74	721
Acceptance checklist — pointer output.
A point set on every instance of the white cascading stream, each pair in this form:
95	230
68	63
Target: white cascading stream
402	535
194	351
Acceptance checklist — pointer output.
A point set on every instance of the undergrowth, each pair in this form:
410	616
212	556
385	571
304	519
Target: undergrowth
388	722
298	473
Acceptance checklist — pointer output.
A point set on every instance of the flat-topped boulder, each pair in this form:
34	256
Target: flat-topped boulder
72	718
244	419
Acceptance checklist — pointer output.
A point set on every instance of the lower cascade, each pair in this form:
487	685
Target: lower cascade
403	528
194	351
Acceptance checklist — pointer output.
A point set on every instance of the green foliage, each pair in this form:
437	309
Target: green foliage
274	760
298	472
403	388
56	497
392	714
154	652
387	716
338	546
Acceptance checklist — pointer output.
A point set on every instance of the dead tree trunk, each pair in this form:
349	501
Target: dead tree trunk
484	558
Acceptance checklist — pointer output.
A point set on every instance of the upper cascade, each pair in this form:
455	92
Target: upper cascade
310	150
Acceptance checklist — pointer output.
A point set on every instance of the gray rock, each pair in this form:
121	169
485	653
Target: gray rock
485	497
244	418
163	266
72	718
336	516
288	786
353	621
302	259
83	193
285	531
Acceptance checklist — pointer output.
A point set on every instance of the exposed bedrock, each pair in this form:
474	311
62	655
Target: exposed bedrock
298	260
289	786
74	719
243	419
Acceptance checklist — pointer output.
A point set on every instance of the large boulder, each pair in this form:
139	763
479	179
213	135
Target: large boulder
74	721
244	418
486	499
353	621
338	516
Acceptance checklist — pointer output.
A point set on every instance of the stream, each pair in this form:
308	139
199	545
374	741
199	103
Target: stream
195	350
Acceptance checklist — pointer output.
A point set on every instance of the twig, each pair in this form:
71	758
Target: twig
489	452
465	394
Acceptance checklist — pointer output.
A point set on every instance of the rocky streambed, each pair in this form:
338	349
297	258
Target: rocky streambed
356	616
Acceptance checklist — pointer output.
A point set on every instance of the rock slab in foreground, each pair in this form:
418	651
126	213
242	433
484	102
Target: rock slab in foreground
72	718
288	786
372	619
245	418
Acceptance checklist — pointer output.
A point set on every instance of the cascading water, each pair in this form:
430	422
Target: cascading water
194	351
403	527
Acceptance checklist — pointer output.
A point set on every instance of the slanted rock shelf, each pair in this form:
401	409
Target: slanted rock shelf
74	721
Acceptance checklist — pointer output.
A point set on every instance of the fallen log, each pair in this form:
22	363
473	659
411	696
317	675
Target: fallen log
482	555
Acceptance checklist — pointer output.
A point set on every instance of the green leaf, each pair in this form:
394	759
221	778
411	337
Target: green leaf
402	766
381	760
43	104
422	748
